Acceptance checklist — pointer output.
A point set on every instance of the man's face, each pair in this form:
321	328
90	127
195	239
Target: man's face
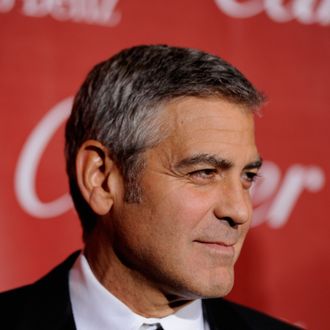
187	232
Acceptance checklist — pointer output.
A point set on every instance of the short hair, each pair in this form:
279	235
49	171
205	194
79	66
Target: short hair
119	103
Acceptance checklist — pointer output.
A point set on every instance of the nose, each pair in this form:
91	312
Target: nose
233	203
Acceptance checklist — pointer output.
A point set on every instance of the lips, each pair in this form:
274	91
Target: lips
220	243
218	246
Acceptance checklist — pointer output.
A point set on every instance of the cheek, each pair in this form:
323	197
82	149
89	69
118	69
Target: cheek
183	209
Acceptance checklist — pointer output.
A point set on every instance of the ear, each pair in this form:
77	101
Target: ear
94	167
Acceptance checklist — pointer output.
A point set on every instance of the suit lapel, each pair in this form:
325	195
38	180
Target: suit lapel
221	316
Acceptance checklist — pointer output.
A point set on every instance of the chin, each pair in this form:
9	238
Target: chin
223	291
218	291
214	286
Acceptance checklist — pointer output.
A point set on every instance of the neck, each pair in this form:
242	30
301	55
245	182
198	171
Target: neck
139	293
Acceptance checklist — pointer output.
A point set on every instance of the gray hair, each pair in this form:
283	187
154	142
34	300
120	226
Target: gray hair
120	101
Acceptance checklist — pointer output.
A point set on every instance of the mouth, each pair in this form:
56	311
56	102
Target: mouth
218	247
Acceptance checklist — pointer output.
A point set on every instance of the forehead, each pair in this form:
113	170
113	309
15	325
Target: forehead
212	122
208	126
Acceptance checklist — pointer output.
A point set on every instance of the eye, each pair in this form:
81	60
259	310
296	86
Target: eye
250	178
203	174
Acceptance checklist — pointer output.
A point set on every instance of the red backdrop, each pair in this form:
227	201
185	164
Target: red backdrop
47	47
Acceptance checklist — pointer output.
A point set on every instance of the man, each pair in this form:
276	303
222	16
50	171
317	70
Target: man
160	157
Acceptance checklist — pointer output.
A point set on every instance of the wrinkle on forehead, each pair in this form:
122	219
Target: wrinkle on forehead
195	115
184	111
208	125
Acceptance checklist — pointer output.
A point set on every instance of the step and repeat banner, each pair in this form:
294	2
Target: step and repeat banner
47	48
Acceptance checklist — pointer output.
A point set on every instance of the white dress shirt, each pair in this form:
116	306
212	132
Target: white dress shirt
95	308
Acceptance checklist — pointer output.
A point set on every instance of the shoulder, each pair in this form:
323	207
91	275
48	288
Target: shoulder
43	302
16	306
223	311
255	318
13	302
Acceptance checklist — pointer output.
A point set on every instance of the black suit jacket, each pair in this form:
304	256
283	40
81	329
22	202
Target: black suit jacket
45	305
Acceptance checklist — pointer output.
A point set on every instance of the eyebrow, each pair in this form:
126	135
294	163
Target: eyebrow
204	159
254	165
215	161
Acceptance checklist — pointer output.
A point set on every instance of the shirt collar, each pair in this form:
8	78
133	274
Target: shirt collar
94	307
